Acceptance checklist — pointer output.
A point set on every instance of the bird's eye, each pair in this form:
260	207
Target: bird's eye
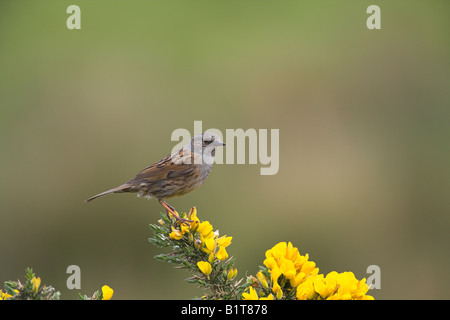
207	142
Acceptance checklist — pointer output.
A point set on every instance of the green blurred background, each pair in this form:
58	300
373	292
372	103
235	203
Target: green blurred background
364	136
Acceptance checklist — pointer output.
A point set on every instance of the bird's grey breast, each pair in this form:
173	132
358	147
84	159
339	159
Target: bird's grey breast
205	169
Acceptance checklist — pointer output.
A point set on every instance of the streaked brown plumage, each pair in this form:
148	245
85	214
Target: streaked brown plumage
177	174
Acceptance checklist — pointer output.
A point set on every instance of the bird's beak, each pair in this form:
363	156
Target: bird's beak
217	144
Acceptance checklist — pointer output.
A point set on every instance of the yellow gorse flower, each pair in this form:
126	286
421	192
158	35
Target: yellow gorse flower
292	275
305	290
253	295
224	241
176	234
4	295
231	273
262	279
222	254
205	230
210	245
36	283
341	286
107	292
203	236
205	267
284	259
193	217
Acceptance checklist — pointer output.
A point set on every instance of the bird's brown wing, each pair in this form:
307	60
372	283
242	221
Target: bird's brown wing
172	166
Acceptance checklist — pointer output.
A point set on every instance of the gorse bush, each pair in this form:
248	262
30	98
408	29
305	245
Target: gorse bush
195	246
285	273
32	289
201	251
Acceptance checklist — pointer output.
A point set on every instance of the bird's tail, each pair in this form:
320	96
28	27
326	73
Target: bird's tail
119	189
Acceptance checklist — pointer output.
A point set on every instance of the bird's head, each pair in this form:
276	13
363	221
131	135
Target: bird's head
205	144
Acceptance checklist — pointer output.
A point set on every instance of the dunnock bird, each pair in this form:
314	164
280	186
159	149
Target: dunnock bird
179	173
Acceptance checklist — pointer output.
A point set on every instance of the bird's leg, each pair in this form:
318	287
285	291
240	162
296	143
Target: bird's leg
171	207
171	210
